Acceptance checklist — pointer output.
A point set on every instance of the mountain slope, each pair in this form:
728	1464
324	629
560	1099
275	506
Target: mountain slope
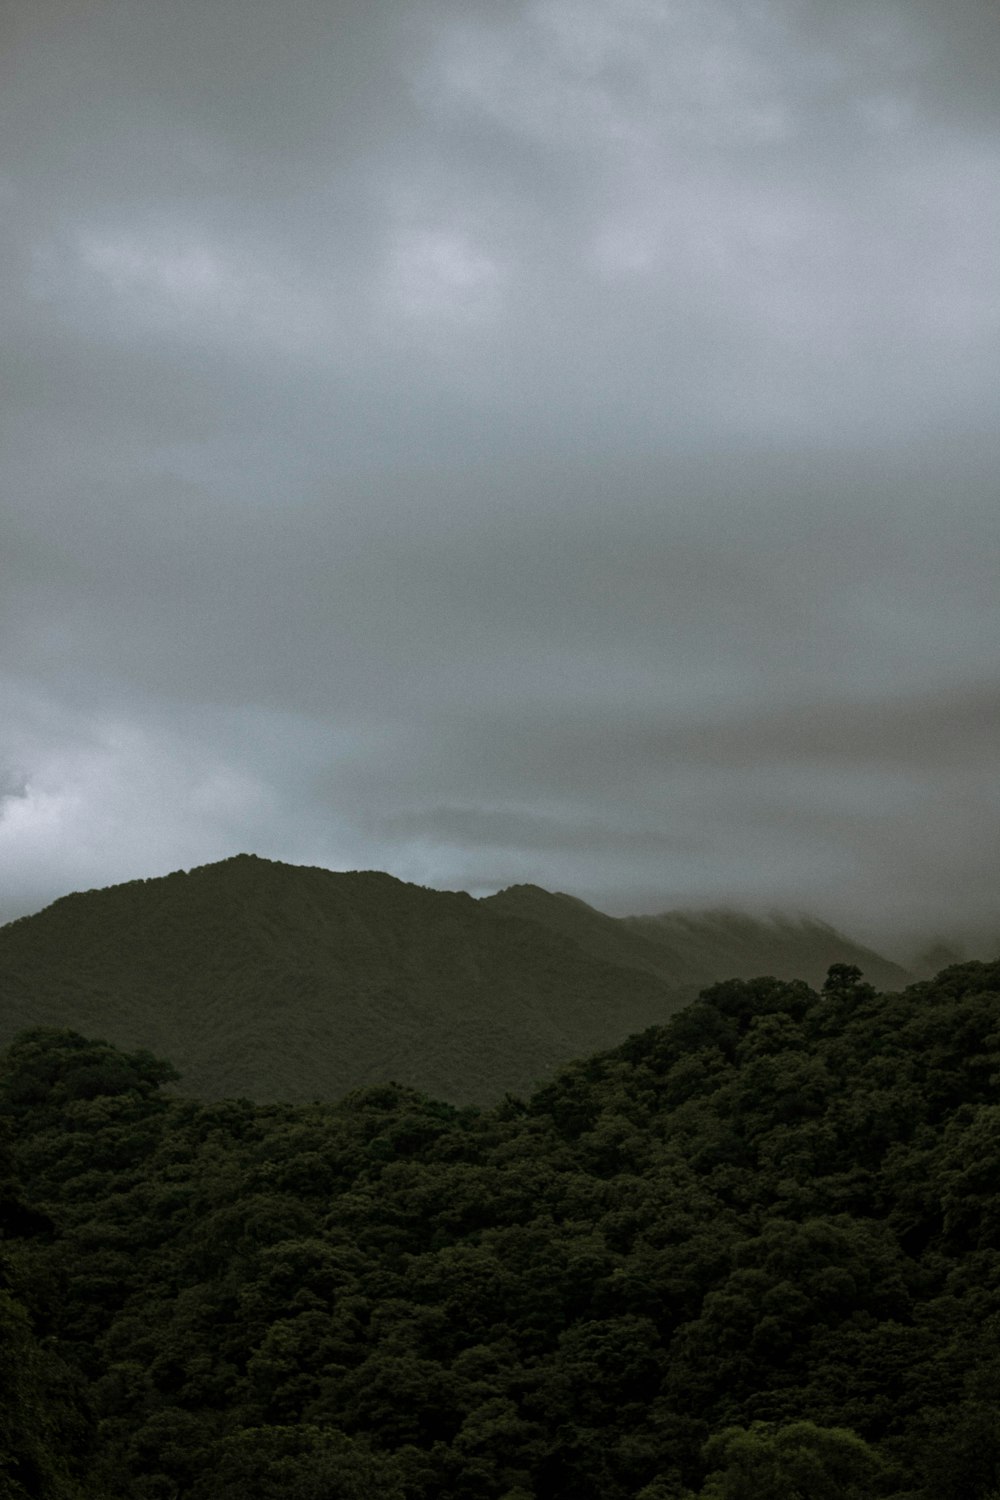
718	944
278	981
694	949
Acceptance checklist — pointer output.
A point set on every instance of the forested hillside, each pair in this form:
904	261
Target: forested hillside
754	1252
696	948
276	981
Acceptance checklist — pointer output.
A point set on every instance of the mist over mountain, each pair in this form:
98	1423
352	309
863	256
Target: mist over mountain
696	948
274	981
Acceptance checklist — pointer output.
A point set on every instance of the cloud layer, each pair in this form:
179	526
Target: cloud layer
551	442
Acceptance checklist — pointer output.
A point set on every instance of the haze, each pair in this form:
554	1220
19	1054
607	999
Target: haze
548	442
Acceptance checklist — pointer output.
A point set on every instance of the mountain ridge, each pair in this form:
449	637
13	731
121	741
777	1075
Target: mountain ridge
695	946
267	980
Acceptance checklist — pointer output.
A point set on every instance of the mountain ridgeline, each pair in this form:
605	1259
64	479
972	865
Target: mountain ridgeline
271	981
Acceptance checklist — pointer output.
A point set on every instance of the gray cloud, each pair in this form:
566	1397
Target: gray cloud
548	442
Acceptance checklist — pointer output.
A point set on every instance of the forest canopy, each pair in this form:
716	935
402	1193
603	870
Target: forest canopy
755	1251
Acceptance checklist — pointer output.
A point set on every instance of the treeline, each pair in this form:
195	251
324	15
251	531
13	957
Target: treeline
752	1253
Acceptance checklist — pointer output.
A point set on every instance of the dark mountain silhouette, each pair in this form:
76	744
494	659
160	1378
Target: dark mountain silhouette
274	981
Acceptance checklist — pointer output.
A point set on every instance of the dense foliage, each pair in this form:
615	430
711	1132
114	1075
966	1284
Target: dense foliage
278	981
754	1252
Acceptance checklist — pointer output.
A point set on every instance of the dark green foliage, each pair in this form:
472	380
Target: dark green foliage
294	1463
274	981
787	1463
752	1253
48	1069
46	1436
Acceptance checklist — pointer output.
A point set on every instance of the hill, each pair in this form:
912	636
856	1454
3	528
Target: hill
274	981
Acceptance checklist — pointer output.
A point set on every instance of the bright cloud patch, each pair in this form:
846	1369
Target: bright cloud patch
442	273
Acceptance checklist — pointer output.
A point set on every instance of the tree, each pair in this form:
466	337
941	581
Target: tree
789	1462
296	1463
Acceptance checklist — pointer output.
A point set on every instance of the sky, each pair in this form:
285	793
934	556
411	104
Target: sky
551	441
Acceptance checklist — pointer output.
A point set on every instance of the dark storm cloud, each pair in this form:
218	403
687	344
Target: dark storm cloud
548	442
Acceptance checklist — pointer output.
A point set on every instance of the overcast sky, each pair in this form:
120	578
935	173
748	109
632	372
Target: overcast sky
548	441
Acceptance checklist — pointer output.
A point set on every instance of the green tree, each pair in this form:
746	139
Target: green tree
790	1463
40	1425
296	1463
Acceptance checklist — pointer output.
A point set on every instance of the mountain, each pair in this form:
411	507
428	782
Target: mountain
278	981
693	949
273	981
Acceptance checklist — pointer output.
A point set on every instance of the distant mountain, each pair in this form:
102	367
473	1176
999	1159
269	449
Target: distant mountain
939	955
274	981
693	949
718	944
